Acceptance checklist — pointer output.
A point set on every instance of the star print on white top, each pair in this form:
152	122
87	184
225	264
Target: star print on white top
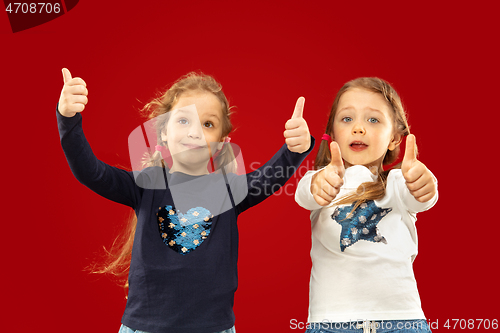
364	218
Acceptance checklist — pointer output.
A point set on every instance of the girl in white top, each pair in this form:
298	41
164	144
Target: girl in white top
363	217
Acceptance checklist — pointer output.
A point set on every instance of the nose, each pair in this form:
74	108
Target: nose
195	131
358	128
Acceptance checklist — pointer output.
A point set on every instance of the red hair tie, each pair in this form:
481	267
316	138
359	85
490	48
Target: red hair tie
163	151
326	137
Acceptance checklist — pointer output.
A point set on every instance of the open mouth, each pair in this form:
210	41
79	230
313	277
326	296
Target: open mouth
358	145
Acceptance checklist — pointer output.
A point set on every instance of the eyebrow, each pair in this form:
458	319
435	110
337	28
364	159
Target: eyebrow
176	111
350	107
210	115
213	115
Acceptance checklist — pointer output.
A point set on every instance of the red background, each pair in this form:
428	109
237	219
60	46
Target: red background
440	56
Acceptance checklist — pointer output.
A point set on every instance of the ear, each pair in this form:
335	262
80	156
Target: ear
395	141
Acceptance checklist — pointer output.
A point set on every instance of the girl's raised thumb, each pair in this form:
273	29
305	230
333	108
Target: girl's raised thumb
66	75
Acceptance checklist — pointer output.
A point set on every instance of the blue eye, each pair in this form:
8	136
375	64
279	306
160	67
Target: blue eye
373	120
346	119
183	121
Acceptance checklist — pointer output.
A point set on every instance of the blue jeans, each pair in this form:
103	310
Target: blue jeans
125	329
381	326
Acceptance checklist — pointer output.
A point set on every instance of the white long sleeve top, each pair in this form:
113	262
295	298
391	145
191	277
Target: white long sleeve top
362	264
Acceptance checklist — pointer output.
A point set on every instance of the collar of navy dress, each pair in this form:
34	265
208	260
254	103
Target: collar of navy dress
360	224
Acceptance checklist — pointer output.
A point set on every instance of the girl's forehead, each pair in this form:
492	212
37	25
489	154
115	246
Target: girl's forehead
361	99
202	100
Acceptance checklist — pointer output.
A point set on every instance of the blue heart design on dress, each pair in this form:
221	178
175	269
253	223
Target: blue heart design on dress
183	233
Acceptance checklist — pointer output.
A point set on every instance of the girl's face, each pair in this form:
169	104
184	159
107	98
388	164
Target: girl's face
193	132
364	128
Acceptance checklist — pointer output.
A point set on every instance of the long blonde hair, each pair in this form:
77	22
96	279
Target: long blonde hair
370	190
119	255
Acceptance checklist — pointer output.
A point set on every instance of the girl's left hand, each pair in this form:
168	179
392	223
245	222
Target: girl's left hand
419	179
297	137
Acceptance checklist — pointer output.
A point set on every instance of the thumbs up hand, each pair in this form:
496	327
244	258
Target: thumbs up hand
73	95
325	185
297	137
419	179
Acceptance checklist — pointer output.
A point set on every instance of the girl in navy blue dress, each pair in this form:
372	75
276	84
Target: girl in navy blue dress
183	264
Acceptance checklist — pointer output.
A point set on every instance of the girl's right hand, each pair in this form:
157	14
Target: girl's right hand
325	184
73	95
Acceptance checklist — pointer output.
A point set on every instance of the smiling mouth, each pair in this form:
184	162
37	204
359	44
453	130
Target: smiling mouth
193	146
